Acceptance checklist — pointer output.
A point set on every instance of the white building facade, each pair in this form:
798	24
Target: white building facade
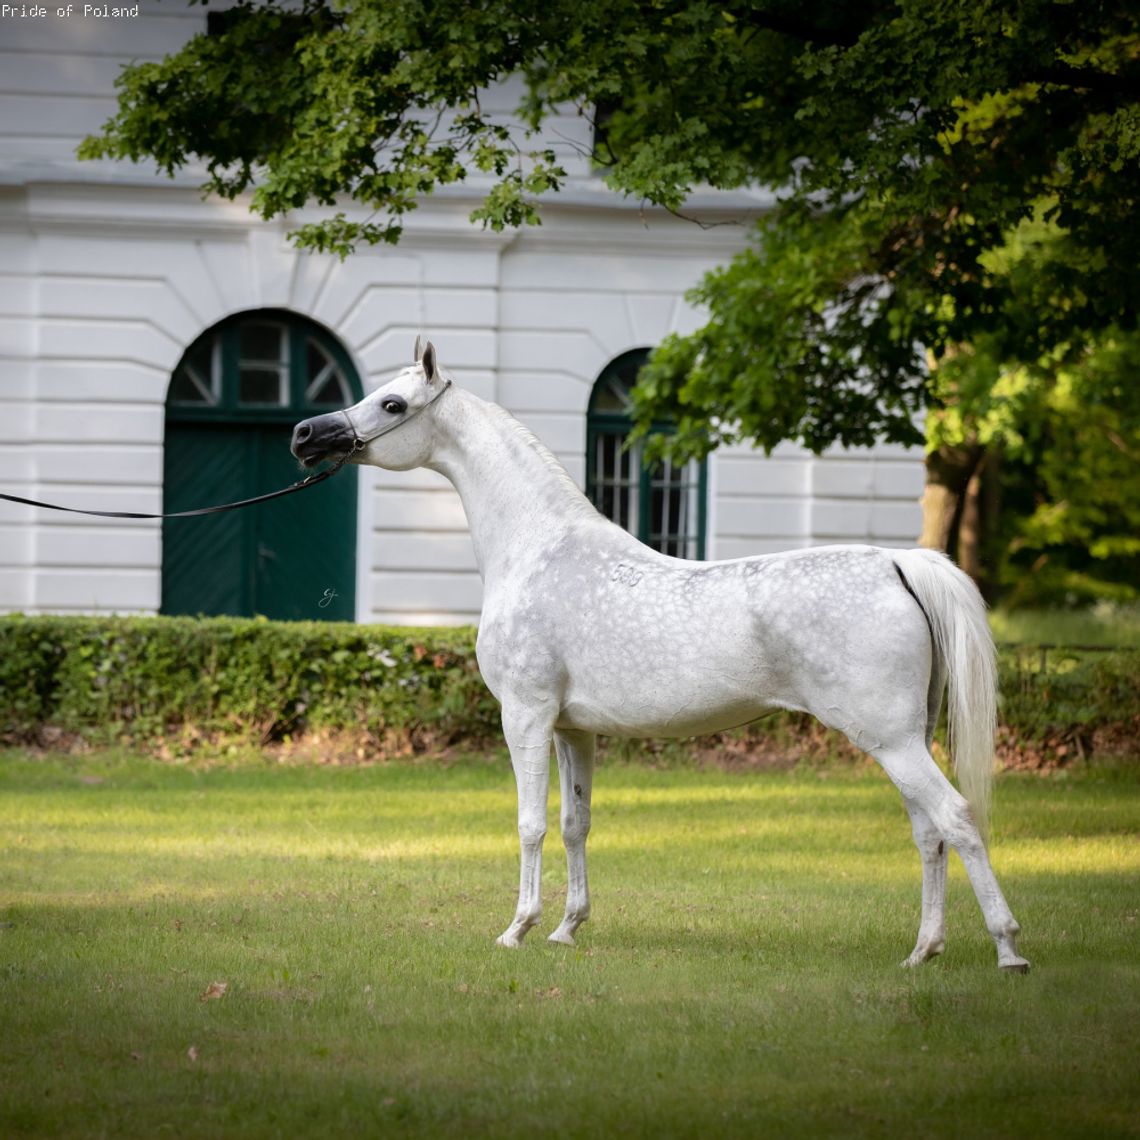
113	279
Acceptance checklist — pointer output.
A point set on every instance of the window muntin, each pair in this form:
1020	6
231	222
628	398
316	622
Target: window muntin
264	365
327	385
197	379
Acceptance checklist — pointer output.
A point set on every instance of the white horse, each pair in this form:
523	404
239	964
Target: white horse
585	631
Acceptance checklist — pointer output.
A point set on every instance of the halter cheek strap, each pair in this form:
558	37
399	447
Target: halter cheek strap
359	442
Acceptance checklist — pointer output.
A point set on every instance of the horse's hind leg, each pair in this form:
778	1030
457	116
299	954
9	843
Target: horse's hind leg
931	844
925	788
932	848
575	751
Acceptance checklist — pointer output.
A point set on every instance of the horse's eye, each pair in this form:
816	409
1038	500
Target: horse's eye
394	406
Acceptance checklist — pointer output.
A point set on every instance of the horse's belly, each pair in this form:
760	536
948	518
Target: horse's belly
650	723
649	704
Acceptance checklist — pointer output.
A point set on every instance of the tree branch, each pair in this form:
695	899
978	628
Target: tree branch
1086	79
786	24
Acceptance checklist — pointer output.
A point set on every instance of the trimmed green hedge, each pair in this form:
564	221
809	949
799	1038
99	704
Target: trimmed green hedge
138	679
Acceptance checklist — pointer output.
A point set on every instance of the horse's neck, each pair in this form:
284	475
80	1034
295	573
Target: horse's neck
517	496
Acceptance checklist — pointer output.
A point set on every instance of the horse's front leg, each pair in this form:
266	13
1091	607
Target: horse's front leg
575	751
528	737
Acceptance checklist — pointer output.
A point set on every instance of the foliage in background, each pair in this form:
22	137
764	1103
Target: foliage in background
178	682
910	142
958	184
1060	705
1064	436
308	103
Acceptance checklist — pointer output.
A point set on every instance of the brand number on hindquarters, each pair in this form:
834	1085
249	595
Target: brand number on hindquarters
626	575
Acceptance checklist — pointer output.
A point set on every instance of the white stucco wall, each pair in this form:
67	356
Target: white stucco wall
107	273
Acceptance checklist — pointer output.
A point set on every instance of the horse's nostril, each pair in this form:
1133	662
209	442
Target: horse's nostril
302	433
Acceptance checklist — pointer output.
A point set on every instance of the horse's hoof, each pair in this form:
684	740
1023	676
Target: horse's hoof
922	954
1021	966
564	937
509	940
914	962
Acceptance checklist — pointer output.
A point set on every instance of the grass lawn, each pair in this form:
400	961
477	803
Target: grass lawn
1105	624
739	976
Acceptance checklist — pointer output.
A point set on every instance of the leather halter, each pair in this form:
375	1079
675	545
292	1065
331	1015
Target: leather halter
359	442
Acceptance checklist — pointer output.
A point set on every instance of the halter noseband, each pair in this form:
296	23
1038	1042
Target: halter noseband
359	442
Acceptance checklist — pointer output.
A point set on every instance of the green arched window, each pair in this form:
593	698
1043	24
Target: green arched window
264	366
663	505
231	406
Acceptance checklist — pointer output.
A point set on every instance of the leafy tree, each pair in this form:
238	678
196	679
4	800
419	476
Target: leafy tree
1069	445
957	181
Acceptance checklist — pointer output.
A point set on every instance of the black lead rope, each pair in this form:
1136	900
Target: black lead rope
358	444
300	485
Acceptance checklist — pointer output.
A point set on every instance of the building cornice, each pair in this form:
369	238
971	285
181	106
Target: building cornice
121	197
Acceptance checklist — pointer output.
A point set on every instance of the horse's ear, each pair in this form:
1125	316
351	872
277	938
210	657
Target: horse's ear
419	349
428	362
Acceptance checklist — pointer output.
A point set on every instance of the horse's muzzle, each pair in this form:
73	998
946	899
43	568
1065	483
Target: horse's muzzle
319	437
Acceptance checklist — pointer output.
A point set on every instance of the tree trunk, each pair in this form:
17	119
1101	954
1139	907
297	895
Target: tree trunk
992	553
970	526
948	474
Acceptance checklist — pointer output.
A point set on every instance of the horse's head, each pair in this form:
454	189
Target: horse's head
385	429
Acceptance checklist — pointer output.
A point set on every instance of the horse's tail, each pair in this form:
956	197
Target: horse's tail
965	648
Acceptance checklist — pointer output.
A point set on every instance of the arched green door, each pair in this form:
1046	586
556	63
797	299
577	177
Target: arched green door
230	411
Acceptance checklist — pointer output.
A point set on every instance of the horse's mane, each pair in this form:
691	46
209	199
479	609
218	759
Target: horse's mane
549	459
